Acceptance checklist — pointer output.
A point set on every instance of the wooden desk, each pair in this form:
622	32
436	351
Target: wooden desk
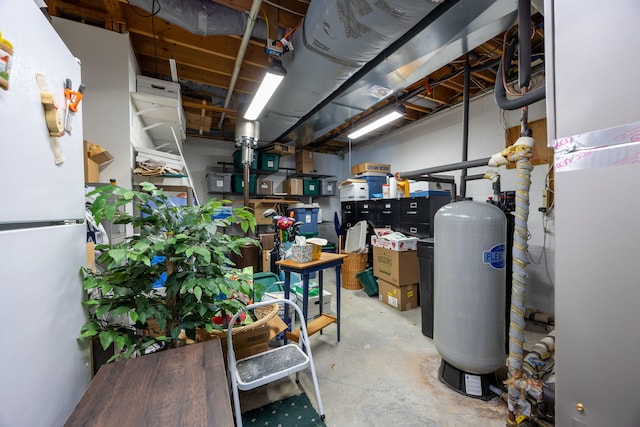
186	386
326	260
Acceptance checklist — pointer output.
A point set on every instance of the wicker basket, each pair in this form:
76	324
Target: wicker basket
353	264
264	314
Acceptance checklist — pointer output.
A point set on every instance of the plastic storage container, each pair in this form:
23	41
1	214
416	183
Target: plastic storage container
237	160
328	187
269	162
310	187
369	281
309	216
375	185
238	183
218	182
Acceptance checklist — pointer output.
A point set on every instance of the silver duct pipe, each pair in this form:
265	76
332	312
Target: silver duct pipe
202	17
335	40
446	32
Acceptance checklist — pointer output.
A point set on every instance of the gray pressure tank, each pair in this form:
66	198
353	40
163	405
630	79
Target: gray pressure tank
469	286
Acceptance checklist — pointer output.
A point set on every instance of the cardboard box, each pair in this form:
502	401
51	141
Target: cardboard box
265	186
258	211
399	297
304	161
266	260
254	341
397	268
351	190
278	148
94	156
98	154
313	308
370	167
91	170
267	241
294	186
91	255
400	245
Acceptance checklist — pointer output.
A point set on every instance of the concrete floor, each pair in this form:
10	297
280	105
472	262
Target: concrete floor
383	372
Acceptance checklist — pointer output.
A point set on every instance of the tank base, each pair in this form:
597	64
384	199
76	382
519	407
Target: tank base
472	385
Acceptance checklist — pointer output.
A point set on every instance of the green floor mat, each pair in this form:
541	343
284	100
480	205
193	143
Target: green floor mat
294	411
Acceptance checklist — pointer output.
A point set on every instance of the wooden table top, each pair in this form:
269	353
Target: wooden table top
186	386
325	258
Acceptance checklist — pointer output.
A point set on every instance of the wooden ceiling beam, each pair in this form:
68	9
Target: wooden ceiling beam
58	8
115	19
208	107
417	108
485	75
436	100
189	58
221	46
149	65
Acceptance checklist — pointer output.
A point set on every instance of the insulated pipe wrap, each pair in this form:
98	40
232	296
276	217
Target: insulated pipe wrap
521	155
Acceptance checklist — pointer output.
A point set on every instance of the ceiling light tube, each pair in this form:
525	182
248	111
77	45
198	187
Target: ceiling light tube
387	118
271	81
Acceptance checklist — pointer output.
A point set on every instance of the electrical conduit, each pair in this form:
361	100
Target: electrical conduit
253	15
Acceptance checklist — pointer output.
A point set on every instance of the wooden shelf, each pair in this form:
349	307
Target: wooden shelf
316	325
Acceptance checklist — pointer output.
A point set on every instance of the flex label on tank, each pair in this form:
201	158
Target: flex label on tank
494	257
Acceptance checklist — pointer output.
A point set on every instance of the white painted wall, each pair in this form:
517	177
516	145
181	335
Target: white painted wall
438	141
106	59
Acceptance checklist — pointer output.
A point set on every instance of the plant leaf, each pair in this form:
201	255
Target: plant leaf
197	291
117	255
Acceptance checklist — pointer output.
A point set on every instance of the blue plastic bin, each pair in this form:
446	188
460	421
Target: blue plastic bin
375	185
309	216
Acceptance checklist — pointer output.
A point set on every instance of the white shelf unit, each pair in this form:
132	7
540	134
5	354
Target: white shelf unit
164	123
163	120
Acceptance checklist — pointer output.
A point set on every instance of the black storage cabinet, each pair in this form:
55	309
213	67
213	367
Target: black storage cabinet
425	265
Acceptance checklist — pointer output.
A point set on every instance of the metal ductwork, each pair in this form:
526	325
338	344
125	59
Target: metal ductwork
336	39
348	55
202	17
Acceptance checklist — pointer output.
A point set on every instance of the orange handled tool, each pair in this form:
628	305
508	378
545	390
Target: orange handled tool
73	98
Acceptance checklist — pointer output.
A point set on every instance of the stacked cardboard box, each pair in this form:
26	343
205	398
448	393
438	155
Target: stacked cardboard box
304	161
398	277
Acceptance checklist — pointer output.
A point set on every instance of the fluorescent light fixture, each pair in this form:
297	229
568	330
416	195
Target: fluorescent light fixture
398	112
174	69
271	81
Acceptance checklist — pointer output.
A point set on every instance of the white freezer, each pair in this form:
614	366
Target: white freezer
35	188
43	368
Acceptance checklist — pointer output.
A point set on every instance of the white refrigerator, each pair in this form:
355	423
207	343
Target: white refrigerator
592	64
44	368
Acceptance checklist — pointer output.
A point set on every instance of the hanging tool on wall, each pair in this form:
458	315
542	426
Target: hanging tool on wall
73	101
52	116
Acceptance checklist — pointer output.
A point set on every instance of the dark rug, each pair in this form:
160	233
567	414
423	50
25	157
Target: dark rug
294	411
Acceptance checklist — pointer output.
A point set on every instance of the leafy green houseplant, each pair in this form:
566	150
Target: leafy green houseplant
186	248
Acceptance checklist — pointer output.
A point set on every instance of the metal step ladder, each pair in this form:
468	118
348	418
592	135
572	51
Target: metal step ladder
272	365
